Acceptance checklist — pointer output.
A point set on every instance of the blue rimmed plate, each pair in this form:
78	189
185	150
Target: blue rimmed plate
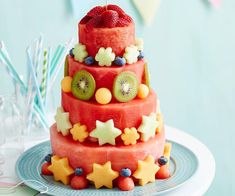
183	165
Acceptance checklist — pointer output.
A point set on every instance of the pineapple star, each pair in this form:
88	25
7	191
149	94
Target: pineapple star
105	132
146	171
103	175
62	121
79	132
61	169
148	126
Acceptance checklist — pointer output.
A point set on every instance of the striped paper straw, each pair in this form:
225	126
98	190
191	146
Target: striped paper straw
14	75
35	81
55	59
48	76
12	70
30	103
59	64
38	52
44	76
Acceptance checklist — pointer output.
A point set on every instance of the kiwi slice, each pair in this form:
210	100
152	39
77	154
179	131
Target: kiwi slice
125	86
83	85
146	75
66	66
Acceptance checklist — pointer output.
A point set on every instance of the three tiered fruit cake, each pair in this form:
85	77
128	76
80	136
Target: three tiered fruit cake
109	129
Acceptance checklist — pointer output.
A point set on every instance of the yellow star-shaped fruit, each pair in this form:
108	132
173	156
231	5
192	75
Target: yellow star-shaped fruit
160	120
105	132
146	171
130	136
62	121
79	132
61	169
102	175
167	152
148	126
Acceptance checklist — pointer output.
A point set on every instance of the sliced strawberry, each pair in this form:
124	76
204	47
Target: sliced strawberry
96	11
127	18
93	23
85	20
110	18
122	23
117	9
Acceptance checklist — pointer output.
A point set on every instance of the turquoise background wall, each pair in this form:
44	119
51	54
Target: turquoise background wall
191	52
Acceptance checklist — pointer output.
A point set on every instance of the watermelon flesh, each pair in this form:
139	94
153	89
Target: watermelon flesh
117	38
124	115
104	76
85	154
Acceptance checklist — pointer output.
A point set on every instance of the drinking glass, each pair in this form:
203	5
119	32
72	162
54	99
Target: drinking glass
11	136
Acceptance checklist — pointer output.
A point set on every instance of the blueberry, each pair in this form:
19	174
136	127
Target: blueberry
141	55
78	171
125	172
162	160
71	52
120	61
89	60
48	158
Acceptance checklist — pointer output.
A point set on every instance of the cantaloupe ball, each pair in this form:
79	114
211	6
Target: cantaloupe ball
143	91
66	84
103	96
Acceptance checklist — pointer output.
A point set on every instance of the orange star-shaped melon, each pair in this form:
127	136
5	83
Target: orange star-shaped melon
102	175
146	171
61	169
79	132
160	120
167	152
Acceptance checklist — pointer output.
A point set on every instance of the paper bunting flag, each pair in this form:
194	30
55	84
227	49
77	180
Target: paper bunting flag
147	9
215	3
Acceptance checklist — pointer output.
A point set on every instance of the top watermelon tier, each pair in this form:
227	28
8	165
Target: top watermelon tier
106	26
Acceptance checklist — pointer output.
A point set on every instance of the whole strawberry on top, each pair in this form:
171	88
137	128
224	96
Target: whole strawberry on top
106	16
106	26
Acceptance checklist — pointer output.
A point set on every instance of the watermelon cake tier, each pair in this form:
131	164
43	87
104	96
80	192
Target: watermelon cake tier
83	155
117	38
104	76
123	114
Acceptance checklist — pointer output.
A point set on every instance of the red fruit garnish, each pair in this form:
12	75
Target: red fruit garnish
45	170
96	11
109	18
125	183
85	20
163	172
122	23
117	9
127	18
79	182
94	22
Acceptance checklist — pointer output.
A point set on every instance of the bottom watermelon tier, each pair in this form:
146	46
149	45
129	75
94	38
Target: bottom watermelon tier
85	154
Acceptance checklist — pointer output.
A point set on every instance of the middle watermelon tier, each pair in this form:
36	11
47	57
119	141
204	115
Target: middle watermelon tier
124	115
